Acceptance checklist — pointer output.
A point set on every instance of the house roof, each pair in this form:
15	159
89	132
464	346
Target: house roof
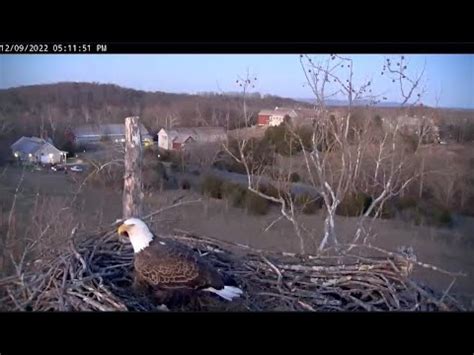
202	134
284	110
105	129
278	111
30	145
266	112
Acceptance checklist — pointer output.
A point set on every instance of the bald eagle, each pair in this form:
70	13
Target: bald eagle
164	265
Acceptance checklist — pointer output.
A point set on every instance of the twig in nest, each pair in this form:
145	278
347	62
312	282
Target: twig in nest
447	290
96	275
397	255
278	272
13	298
306	306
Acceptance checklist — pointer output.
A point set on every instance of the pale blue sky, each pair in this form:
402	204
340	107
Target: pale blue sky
450	76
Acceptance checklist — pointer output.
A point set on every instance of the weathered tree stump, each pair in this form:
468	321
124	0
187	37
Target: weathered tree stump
132	181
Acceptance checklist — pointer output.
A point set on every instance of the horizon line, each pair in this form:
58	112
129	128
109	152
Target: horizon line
298	99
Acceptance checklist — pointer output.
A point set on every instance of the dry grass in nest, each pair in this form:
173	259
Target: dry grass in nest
96	275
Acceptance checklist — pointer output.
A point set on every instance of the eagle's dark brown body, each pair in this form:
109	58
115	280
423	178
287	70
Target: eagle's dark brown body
167	268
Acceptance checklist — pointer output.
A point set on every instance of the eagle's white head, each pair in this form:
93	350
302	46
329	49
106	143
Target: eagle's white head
138	233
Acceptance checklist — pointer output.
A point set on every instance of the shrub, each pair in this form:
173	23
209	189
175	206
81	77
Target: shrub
70	148
308	204
212	186
105	139
185	184
411	142
294	177
306	136
443	217
353	204
109	177
388	211
235	193
270	190
165	155
406	202
161	170
153	173
256	204
282	140
423	212
174	167
235	167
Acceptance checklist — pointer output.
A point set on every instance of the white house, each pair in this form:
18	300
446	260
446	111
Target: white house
37	150
177	138
275	117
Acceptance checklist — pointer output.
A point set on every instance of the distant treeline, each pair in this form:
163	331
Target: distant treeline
49	110
54	107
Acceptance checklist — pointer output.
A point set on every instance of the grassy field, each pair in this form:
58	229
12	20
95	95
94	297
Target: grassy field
43	193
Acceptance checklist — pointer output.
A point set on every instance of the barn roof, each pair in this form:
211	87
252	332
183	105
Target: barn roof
266	112
278	111
104	129
202	134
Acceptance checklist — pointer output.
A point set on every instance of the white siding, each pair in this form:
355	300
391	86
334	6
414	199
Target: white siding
275	120
49	155
163	140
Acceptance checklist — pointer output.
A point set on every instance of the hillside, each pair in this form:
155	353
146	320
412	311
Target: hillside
52	108
56	106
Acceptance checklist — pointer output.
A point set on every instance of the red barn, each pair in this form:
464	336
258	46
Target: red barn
179	142
263	118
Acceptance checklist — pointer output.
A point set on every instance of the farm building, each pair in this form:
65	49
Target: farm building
114	132
37	150
276	117
177	138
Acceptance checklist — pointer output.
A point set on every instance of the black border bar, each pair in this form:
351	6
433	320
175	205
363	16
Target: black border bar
221	47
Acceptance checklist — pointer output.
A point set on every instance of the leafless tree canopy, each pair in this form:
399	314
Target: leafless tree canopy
347	151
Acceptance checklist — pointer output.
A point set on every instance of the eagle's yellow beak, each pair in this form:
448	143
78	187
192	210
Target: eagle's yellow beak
123	229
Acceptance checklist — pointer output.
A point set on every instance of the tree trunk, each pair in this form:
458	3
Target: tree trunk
420	194
132	182
329	229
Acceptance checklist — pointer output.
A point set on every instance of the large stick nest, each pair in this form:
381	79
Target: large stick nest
96	275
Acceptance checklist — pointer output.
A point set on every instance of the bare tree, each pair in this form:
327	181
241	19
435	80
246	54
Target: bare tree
410	86
246	83
171	120
343	150
52	123
6	126
203	155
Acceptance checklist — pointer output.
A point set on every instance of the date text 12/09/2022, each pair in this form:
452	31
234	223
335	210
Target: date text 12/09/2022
52	48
